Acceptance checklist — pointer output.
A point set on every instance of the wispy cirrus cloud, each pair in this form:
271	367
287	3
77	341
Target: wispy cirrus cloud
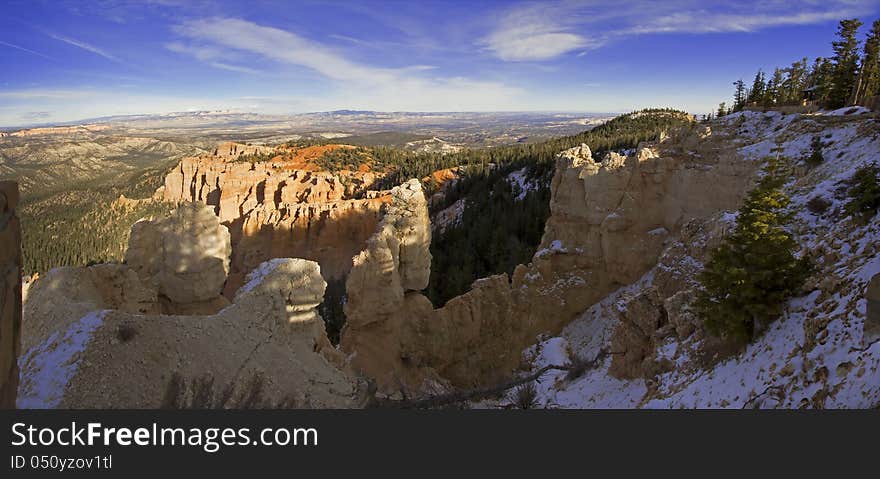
357	83
38	93
85	46
28	50
534	32
702	21
544	31
275	44
214	57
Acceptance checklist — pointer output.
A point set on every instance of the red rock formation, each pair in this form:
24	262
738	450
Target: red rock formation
278	203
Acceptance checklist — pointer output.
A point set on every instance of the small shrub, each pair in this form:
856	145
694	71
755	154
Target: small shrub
526	396
125	333
577	368
815	158
818	205
863	190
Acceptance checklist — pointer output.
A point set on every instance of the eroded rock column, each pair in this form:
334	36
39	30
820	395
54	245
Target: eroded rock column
10	293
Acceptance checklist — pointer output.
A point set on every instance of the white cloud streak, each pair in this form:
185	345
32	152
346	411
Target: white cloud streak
356	84
536	32
214	57
28	50
30	94
85	46
706	22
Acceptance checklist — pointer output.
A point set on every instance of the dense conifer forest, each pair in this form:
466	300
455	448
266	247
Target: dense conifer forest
84	224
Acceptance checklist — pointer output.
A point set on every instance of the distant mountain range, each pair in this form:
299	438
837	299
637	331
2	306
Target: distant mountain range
208	117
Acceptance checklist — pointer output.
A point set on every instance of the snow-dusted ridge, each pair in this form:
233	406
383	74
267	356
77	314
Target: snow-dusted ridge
814	355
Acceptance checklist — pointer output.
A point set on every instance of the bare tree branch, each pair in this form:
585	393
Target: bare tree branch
457	397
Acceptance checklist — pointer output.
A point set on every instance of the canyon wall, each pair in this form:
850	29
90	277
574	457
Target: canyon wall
277	203
10	293
610	220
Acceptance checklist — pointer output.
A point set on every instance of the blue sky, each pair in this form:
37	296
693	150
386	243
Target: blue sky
67	60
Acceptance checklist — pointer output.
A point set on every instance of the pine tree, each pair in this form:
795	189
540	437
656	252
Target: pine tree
739	95
846	63
750	276
722	109
869	77
825	80
772	94
796	81
756	94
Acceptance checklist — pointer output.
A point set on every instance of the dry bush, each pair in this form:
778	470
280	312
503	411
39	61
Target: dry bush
526	396
126	332
201	393
577	367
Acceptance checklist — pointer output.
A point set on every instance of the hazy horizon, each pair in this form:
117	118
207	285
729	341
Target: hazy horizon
68	61
133	116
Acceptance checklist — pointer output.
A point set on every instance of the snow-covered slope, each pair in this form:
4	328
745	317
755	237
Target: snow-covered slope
813	356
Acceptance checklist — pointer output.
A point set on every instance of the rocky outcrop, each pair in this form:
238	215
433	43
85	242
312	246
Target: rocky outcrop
382	287
610	220
635	338
184	257
277	202
113	358
10	293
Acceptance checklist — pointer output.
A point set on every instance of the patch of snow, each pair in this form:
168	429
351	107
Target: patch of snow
728	217
255	277
554	248
847	111
48	367
524	184
449	216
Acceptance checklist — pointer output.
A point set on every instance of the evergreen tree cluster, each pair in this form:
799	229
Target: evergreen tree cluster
496	232
750	276
849	76
79	226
